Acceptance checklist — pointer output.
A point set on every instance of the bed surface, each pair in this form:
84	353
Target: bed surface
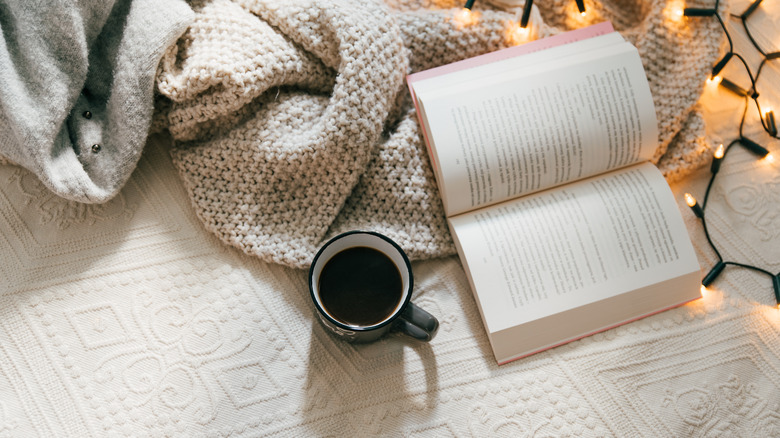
130	319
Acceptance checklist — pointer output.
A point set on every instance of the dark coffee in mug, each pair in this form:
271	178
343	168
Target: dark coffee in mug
360	286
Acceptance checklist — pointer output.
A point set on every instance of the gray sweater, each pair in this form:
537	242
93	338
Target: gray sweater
77	87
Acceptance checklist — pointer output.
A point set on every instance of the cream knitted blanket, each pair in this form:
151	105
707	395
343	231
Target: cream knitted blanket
292	123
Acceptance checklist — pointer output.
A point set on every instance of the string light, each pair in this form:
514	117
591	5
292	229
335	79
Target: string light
754	147
722	63
713	274
734	88
698	210
518	34
691	201
465	13
767	121
581	7
714	80
676	12
699	12
753	6
776	285
769	116
717	158
465	17
526	13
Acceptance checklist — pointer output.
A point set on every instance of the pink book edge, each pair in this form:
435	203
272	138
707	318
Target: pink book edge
560	39
599	331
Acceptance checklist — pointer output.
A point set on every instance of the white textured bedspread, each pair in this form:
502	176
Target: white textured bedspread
129	319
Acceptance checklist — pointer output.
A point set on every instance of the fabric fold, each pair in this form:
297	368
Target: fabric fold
78	88
274	183
291	121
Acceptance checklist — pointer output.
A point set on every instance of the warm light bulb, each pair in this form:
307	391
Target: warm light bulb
583	13
719	151
519	34
714	80
675	11
690	200
769	118
717	157
697	210
703	290
769	158
581	6
466	17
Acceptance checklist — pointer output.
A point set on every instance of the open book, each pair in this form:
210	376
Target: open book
540	154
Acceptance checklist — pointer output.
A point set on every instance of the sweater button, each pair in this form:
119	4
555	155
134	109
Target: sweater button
87	114
95	148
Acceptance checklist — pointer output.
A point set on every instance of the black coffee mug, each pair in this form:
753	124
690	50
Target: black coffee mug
361	284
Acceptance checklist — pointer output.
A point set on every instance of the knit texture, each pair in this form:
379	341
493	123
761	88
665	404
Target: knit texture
292	123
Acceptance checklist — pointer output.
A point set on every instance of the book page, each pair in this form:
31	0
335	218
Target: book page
514	64
573	245
466	68
543	44
515	133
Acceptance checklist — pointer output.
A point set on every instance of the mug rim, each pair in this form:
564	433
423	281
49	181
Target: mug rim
358	328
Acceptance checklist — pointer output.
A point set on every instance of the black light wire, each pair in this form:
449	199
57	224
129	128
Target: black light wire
766	123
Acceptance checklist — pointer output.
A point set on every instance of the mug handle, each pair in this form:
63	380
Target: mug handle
417	323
